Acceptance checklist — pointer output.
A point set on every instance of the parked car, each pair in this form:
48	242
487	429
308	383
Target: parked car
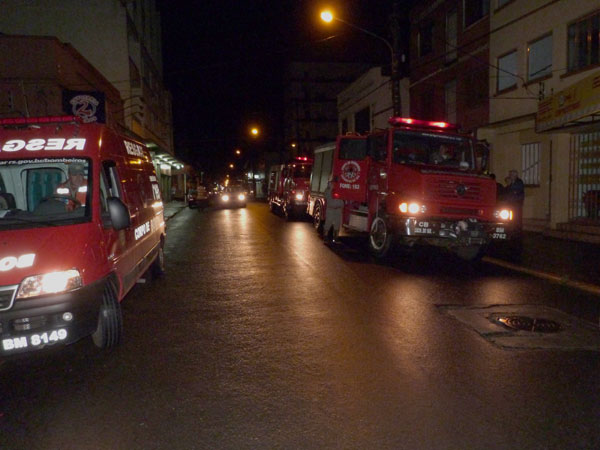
198	198
230	197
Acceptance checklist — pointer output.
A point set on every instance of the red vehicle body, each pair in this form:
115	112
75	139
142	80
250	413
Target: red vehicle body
65	269
288	187
399	190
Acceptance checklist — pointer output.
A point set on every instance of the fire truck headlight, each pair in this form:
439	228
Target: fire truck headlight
225	198
414	208
241	197
504	214
300	196
49	283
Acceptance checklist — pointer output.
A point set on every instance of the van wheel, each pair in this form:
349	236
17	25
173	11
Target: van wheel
380	238
158	265
110	320
318	219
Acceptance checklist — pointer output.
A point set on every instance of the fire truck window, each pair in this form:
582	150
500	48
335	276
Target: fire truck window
353	149
377	147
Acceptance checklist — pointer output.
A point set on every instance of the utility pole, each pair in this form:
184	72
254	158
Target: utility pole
395	31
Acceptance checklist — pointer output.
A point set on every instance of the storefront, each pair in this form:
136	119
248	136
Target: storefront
576	111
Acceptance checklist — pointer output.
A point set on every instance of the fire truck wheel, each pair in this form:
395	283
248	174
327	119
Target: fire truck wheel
470	253
318	219
288	212
380	238
110	320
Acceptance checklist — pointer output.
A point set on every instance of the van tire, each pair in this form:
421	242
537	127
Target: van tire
380	238
157	268
110	320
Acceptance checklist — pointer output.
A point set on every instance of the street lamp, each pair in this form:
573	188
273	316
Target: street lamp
254	131
238	151
328	17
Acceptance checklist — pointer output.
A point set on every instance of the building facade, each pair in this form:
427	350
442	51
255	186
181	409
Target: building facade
366	104
545	100
449	53
122	40
310	102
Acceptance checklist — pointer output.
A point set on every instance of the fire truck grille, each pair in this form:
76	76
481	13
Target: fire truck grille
461	211
454	190
6	296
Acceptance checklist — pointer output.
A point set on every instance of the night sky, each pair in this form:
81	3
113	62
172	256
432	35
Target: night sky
224	59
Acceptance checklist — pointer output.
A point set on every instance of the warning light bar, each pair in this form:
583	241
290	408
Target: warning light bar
38	120
303	158
420	123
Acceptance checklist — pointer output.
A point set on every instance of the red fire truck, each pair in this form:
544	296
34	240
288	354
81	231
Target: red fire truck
288	187
417	182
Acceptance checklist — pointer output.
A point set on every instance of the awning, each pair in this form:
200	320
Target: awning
576	105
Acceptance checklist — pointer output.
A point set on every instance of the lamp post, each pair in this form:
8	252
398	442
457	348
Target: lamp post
328	17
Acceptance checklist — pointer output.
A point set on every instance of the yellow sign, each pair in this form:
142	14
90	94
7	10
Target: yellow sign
571	104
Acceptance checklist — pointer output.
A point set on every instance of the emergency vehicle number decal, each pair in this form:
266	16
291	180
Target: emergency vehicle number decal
350	174
10	262
142	230
14	145
423	228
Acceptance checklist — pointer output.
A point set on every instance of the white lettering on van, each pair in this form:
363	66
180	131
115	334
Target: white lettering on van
134	149
10	262
33	145
142	230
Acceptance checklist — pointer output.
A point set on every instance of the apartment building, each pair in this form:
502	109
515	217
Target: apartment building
544	88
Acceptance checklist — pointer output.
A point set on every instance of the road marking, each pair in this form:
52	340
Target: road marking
564	280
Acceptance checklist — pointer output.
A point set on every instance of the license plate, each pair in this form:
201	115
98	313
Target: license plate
34	340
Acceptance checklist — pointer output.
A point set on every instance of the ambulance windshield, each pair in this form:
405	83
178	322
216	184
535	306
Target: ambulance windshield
432	148
44	192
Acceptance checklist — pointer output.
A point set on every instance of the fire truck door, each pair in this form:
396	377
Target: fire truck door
350	168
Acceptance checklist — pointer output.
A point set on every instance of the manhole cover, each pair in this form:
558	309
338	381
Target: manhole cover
532	324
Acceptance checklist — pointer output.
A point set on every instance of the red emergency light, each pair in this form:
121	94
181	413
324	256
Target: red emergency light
397	121
38	120
303	158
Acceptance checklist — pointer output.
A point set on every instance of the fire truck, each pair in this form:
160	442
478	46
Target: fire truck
416	182
288	187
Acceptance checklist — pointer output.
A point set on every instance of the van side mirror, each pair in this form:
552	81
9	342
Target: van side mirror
119	213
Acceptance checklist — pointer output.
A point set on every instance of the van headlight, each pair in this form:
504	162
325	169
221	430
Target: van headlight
49	283
504	214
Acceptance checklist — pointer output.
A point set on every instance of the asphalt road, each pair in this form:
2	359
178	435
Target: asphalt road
261	337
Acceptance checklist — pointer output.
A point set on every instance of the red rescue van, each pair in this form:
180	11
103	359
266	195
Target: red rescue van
81	220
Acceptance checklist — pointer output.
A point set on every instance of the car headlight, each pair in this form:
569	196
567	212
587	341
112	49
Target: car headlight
225	198
241	197
49	283
504	214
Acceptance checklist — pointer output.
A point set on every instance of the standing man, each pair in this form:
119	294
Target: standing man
515	195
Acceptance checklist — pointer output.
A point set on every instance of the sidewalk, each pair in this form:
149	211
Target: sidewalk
568	262
173	207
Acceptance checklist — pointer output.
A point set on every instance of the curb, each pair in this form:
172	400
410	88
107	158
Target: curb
564	280
167	218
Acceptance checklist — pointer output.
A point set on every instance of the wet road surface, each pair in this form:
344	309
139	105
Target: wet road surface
262	337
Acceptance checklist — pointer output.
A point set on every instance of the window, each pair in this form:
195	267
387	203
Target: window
451	30
475	10
450	98
362	120
507	70
539	58
425	39
530	155
353	148
584	42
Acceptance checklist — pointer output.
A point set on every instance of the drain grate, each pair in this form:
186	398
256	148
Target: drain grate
524	323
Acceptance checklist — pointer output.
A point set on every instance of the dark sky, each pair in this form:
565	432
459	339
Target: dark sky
224	59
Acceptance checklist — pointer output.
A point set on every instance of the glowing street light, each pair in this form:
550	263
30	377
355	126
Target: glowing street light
328	17
254	131
231	166
238	151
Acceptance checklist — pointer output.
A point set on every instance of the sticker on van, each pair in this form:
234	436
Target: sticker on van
14	145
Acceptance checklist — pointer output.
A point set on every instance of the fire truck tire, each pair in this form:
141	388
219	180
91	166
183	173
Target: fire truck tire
470	253
380	238
110	320
318	219
288	212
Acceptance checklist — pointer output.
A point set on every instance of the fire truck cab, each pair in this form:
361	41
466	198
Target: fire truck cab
417	182
288	187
